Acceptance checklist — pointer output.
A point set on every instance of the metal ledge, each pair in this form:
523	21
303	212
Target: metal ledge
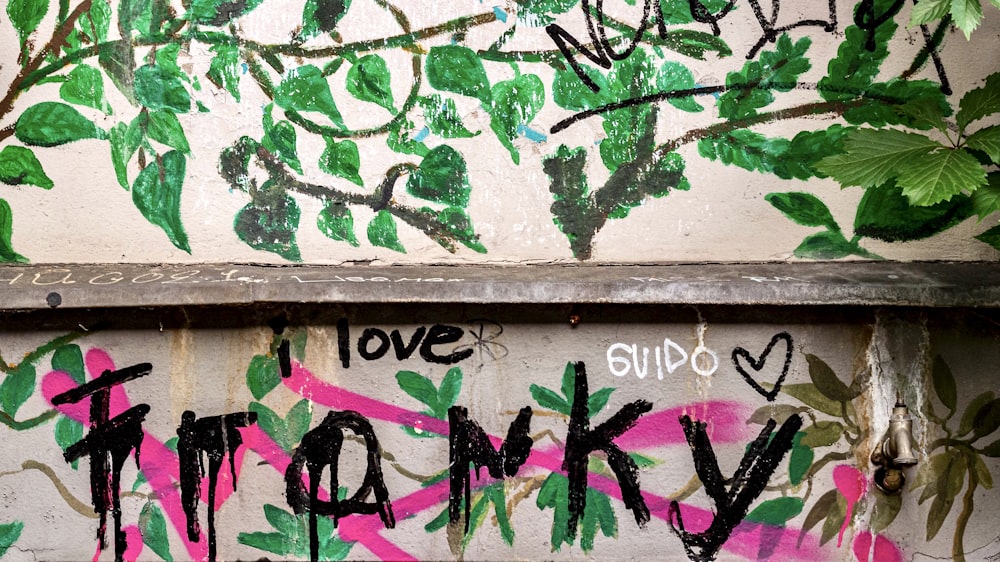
937	284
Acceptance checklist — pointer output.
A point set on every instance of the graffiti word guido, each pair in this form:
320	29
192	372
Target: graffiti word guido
623	358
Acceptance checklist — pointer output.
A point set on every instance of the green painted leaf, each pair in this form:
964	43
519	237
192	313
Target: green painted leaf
858	60
419	387
885	214
153	527
262	375
554	493
306	89
679	11
598	400
547	398
441	177
777	412
969	416
992	450
67	433
987	419
569	92
981	470
382	232
810	396
17	387
672	77
7	253
515	103
940	175
280	139
986	140
25	15
369	80
9	533
819	511
402	138
874	157
939	510
986	199
157	194
886	509
826	245
537	13
124	140
342	159
95	22
158	88
336	222
751	88
298	421
827	382
799	461
164	127
887	103
597	513
944	383
776	512
270	225
991	237
442	118
20	166
84	85
496	495
803	208
822	434
53	123
271	542
224	70
457	222
322	16
980	102
455	68
69	359
834	520
447	393
267	420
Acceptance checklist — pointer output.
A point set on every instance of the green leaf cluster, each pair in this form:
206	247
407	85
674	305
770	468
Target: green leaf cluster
437	399
562	401
752	87
291	536
597	514
287	432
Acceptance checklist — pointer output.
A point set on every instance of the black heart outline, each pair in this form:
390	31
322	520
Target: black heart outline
758	364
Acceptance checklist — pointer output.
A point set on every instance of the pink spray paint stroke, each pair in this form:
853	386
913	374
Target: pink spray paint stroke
852	484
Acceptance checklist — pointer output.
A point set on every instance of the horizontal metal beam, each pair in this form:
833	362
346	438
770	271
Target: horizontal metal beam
938	284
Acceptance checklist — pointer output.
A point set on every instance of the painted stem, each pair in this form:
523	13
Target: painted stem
957	545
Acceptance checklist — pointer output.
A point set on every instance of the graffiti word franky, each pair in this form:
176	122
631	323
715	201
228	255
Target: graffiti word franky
623	358
375	343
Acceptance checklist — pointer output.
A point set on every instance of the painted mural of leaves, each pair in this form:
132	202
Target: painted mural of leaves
322	16
986	199
306	89
158	88
827	382
786	159
52	123
25	15
270	225
7	253
262	375
808	394
803	208
124	140
157	194
799	461
84	85
673	76
966	14
68	432
515	103
9	533
442	118
224	70
336	222
291	535
875	156
778	412
818	512
280	140
987	141
538	13
95	22
885	214
20	166
369	80
441	177
939	176
153	528
457	222
944	383
991	237
569	92
857	62
457	69
822	434
987	419
829	245
382	232
219	12
342	159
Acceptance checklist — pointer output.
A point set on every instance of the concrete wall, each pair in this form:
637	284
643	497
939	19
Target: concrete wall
834	372
459	132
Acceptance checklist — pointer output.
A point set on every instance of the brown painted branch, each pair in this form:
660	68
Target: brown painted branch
957	545
57	40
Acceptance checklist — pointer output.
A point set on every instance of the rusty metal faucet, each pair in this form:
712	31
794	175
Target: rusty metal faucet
895	452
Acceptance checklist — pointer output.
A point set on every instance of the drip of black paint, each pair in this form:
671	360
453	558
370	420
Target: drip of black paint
866	18
214	436
468	443
321	447
344	342
108	443
749	480
581	441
